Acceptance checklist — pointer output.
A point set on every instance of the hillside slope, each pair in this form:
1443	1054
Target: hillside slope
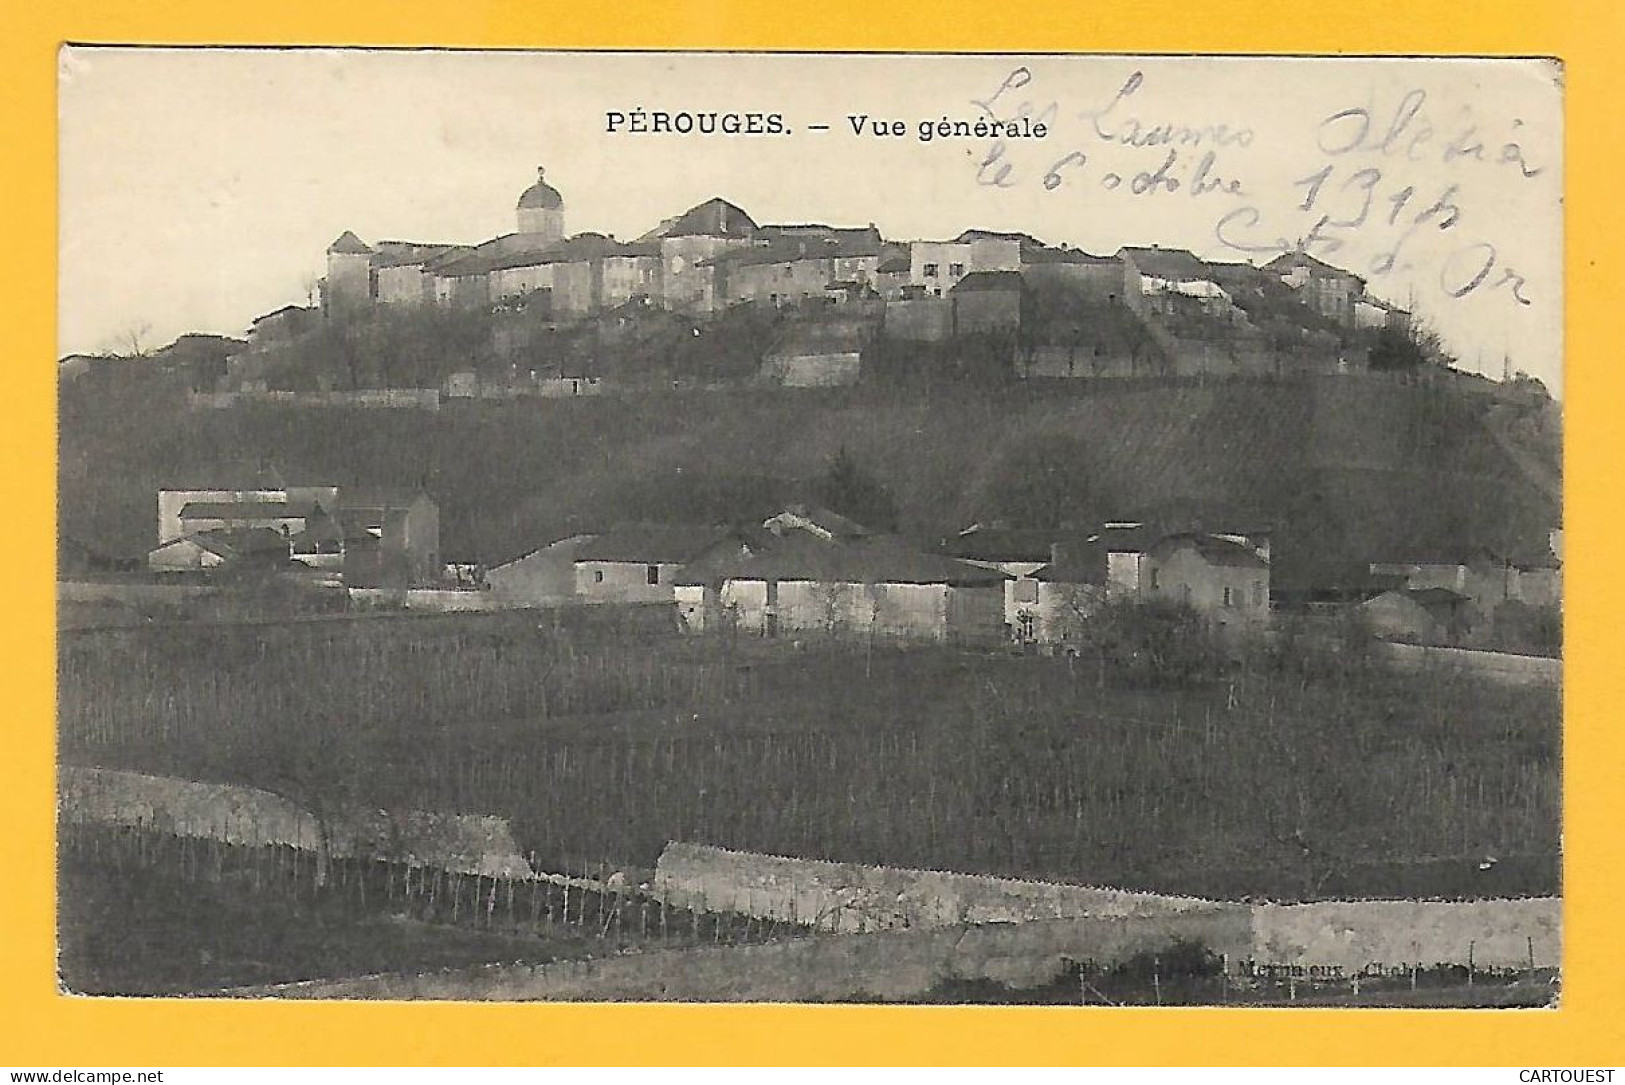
1340	467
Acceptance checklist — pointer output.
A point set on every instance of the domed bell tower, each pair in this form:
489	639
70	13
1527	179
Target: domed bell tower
541	211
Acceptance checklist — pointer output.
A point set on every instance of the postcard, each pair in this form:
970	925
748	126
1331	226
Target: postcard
1057	529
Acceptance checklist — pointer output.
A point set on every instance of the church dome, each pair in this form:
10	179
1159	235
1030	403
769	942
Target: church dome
541	196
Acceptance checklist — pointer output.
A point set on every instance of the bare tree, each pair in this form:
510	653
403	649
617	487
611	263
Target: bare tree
132	340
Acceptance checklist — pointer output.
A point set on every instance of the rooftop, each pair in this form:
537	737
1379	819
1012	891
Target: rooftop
869	559
654	544
715	217
1173	264
243	510
979	281
1289	260
1214	550
350	244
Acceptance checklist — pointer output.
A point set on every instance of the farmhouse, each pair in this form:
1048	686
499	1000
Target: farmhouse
1477	573
1223	575
1424	615
220	548
1018	553
1066	594
639	563
545	575
258	487
391	537
816	572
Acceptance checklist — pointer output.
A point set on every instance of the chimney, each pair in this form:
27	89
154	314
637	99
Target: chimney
1059	552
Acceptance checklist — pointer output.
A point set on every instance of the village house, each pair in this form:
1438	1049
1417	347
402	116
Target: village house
1106	279
1329	291
1019	554
639	563
1224	576
239	548
1421	615
689	244
240	495
935	266
464	281
1485	578
777	274
817	354
569	273
391	537
798	263
988	301
282	325
817	572
1168	277
540	577
283	517
1066	594
403	271
892	275
628	271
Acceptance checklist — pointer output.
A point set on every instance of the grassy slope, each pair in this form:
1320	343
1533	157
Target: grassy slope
1361	463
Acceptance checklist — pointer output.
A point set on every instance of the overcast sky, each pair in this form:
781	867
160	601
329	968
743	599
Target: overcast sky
200	188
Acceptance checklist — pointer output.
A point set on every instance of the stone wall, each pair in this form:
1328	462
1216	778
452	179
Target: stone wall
849	897
462	843
1355	935
1500	666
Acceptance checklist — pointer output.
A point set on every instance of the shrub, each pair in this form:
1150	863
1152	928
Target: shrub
1157	642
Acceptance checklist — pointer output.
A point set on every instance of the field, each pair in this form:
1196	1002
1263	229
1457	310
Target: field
1283	778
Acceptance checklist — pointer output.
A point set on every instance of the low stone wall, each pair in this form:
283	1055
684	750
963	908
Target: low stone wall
1384	934
462	843
130	592
392	398
1500	666
850	897
879	967
444	601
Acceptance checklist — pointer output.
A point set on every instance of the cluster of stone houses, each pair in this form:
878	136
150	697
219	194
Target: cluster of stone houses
252	521
1441	598
808	570
715	255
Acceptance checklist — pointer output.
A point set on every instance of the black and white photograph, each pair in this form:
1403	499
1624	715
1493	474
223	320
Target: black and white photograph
873	528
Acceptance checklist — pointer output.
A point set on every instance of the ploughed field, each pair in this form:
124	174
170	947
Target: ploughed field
1289	778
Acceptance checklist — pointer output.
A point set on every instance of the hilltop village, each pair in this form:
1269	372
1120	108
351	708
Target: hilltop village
563	311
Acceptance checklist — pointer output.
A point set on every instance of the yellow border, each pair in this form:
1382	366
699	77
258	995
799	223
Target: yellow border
37	1027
